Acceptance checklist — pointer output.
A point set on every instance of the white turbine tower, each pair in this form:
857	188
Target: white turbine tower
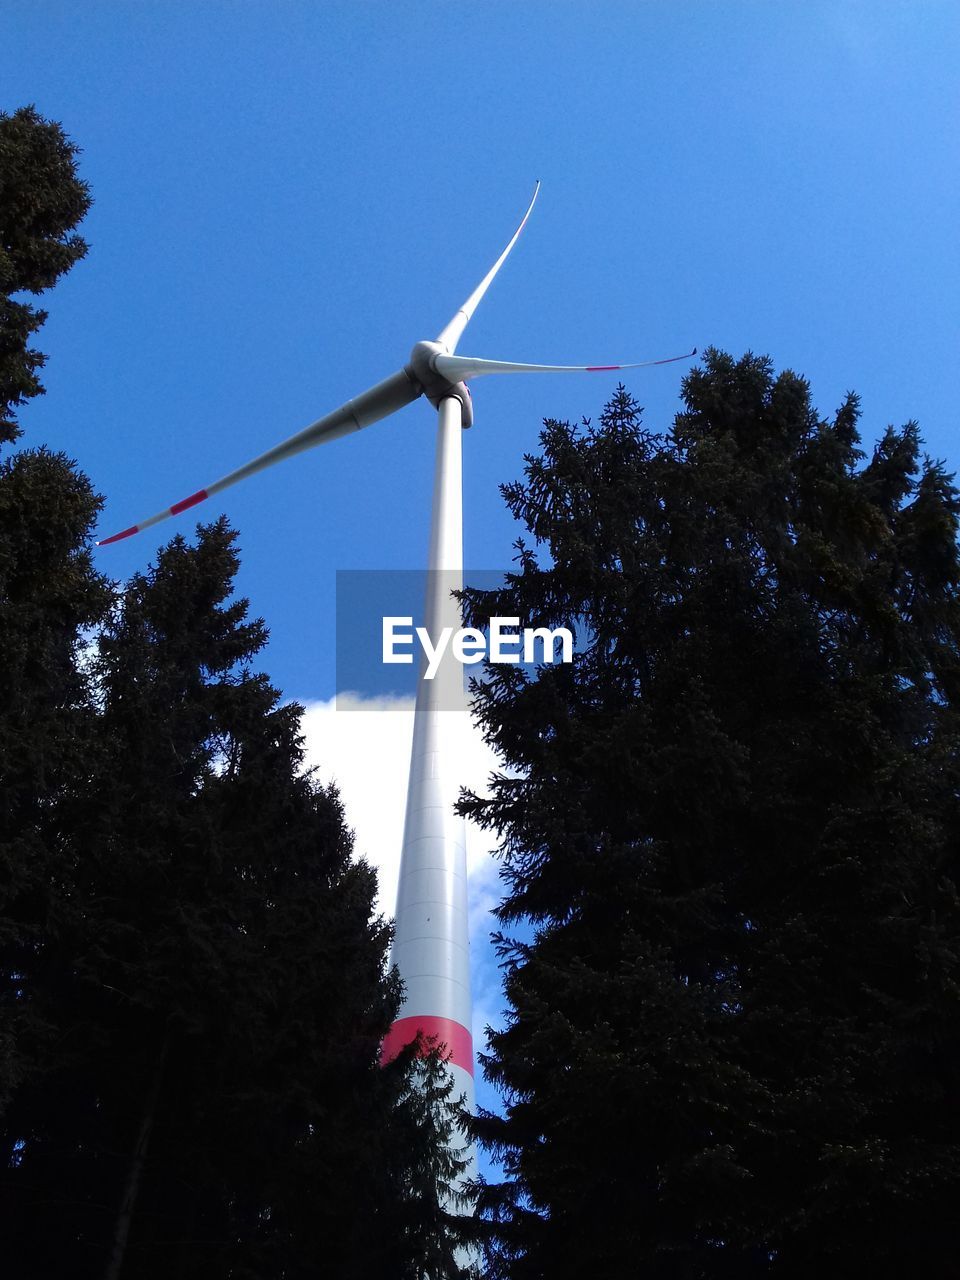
431	942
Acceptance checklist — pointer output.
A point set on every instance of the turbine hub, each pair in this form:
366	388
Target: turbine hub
420	369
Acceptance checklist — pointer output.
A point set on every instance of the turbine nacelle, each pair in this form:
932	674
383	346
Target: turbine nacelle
422	369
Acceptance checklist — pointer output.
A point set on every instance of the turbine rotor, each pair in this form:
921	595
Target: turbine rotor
433	370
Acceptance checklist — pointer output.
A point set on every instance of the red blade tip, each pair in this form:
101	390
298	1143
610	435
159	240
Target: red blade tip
127	533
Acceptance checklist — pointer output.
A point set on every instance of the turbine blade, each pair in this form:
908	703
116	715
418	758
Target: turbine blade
458	368
368	407
451	335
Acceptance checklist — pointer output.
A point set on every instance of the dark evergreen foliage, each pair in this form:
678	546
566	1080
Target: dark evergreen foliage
211	1103
42	200
734	1039
49	595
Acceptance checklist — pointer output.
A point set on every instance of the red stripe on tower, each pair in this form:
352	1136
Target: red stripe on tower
602	368
127	533
455	1041
192	501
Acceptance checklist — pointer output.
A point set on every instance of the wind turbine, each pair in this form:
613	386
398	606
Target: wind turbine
431	941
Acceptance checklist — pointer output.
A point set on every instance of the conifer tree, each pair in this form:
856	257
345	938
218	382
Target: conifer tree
50	595
730	848
214	1105
42	200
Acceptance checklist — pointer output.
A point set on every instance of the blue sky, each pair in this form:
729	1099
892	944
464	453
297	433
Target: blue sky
288	195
